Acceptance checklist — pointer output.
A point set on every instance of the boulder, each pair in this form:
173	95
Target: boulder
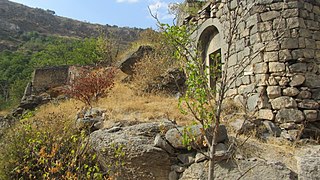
90	119
289	115
175	136
297	80
127	65
272	128
283	102
234	170
142	160
308	163
242	126
312	80
172	82
308	104
291	91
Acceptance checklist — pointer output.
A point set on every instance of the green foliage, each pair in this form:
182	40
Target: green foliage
68	52
14	74
200	97
47	149
42	50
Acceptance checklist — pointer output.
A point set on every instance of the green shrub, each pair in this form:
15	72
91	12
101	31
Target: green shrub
49	149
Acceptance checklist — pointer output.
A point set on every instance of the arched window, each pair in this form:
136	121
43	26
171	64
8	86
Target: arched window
210	48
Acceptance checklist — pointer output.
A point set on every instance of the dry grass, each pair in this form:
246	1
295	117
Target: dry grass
4	112
122	104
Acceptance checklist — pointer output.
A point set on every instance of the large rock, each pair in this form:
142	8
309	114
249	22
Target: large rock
90	119
127	65
308	163
175	136
172	82
231	170
283	102
289	115
312	80
142	160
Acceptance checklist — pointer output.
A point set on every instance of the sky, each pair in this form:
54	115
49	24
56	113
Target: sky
123	13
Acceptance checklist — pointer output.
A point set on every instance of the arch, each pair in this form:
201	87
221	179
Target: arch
209	41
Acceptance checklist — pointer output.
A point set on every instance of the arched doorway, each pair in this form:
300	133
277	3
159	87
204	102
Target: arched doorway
209	45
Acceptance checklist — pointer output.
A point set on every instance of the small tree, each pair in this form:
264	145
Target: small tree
201	99
89	86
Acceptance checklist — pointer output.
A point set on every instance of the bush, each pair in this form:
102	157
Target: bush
88	86
150	67
47	149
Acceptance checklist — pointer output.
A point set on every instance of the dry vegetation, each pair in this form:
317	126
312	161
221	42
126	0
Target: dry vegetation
122	104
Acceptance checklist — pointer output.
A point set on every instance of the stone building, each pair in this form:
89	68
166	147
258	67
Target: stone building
272	47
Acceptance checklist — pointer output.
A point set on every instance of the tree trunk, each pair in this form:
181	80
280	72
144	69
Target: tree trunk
211	161
213	151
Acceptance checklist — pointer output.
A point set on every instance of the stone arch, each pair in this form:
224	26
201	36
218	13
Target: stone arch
209	40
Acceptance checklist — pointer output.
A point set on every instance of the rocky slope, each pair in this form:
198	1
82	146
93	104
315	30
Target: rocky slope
16	19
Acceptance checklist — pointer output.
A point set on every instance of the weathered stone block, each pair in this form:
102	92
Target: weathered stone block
311	115
283	102
298	68
261	79
246	89
252	20
265	26
312	80
255	38
297	53
276	67
271	56
292	22
308	104
311	24
309	53
289	115
291	91
272	46
272	81
290	43
297	80
267	36
233	60
304	95
260	68
287	13
270	15
284	81
253	102
305	33
272	128
302	42
273	91
279	24
284	55
266	114
310	43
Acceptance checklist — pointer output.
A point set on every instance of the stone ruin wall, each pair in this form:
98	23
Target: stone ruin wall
282	41
46	78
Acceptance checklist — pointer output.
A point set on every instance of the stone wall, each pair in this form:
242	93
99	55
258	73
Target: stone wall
275	50
46	78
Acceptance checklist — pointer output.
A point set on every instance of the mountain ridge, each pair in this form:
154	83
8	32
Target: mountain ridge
16	19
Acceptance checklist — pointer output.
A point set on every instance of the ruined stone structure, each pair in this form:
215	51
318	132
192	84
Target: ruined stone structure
46	78
273	46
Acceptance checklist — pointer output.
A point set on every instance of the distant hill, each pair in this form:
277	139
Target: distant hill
17	19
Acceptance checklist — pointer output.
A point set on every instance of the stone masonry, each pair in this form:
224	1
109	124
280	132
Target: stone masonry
280	42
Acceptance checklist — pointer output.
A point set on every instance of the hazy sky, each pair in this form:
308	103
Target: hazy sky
131	13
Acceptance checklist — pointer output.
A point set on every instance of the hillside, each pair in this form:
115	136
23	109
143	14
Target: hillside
17	19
